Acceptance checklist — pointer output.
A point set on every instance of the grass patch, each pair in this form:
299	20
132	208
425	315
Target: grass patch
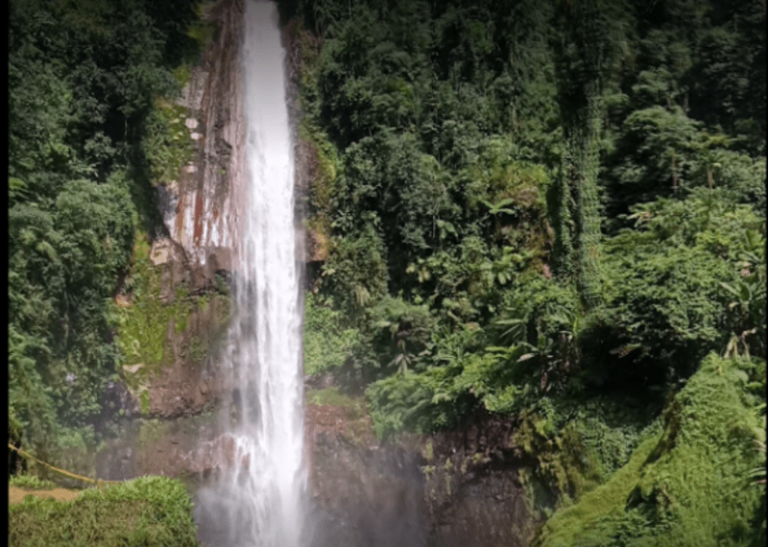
31	482
153	511
333	397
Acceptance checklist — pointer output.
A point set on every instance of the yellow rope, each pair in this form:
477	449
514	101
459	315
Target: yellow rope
97	482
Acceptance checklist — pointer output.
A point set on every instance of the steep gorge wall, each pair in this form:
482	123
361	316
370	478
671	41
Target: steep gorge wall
201	210
165	412
162	410
449	489
452	489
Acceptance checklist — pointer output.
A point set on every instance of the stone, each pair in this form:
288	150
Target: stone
163	251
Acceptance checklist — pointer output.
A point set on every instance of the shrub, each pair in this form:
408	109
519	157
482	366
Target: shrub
145	511
327	345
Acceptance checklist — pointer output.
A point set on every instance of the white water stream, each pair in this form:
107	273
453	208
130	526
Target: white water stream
259	501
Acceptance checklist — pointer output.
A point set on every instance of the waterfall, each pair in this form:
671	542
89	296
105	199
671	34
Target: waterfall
258	500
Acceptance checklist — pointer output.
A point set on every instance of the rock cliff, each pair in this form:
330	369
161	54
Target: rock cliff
458	488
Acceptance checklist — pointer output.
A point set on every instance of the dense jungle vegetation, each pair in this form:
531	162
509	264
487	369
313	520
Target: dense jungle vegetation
86	133
90	83
553	211
548	210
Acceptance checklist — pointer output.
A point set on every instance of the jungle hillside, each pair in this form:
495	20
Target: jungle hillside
552	212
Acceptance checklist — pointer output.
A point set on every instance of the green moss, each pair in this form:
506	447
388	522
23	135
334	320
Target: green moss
685	486
562	461
144	401
332	397
183	74
578	444
145	511
150	432
143	325
323	183
429	451
203	30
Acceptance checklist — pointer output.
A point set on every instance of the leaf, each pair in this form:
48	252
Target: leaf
440	397
47	249
745	292
500	349
526	357
730	289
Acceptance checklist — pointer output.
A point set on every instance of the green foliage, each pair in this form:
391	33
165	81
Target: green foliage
31	482
730	71
327	345
144	511
494	142
591	35
670	304
655	156
685	486
83	79
666	298
355	272
168	142
401	333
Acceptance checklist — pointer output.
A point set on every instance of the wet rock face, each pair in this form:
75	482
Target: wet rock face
200	209
487	510
473	488
366	497
186	447
451	489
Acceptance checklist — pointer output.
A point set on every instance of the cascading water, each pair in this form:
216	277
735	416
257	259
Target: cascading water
258	501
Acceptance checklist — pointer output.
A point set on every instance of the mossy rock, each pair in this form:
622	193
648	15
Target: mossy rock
689	485
147	325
